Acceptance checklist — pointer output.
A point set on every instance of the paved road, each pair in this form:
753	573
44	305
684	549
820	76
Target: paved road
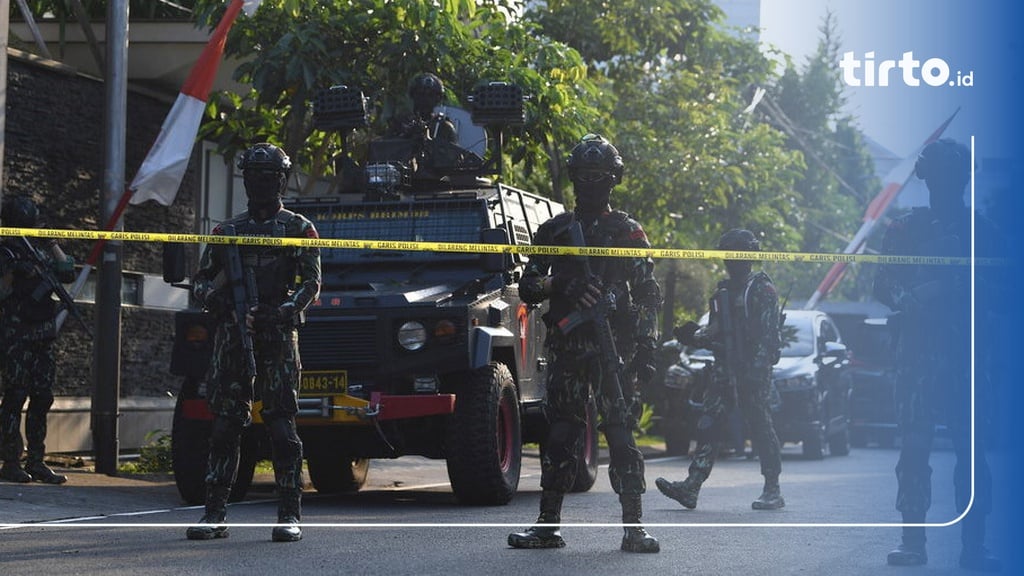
136	526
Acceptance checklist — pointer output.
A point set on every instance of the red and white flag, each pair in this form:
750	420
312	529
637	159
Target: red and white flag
161	172
894	182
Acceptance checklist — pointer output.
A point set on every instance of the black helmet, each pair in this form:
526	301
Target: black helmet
944	159
426	85
19	212
426	91
265	157
739	239
595	159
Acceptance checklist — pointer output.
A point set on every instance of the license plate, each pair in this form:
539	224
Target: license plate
324	382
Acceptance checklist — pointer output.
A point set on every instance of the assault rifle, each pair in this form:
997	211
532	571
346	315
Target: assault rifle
244	297
597	315
728	342
42	268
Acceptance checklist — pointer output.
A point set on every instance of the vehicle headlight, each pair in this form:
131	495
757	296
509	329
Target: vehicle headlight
412	335
801	382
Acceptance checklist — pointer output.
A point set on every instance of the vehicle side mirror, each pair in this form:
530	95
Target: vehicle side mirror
174	262
834	352
494	262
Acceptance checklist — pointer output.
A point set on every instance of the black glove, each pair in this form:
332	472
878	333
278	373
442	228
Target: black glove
577	289
642	363
685	332
265	316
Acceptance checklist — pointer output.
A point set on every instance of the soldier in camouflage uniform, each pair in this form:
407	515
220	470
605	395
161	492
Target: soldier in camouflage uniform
287	281
932	331
754	311
575	372
28	312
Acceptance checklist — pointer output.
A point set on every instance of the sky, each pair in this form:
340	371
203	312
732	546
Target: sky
975	38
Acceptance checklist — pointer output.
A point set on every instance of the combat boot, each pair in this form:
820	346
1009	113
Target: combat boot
911	551
684	492
12	472
289	510
635	538
545	533
770	498
974	555
211	524
40	472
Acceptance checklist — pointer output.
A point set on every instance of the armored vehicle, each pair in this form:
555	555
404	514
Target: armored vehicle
407	351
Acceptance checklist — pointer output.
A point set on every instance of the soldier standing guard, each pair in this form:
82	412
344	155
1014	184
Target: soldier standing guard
595	167
286	280
932	333
28	318
743	332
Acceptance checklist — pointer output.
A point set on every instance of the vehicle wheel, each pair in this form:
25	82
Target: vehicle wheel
839	443
484	439
190	449
814	445
333	473
586	469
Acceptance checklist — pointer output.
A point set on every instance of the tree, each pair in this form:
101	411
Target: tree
839	179
293	48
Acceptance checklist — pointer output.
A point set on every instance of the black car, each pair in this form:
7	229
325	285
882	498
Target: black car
814	385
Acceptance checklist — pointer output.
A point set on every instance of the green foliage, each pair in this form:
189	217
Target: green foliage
293	48
154	457
838	181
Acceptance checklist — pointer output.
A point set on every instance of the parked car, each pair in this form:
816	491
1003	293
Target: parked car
872	370
814	384
810	396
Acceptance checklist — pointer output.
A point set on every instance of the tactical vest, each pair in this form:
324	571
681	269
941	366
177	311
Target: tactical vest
274	266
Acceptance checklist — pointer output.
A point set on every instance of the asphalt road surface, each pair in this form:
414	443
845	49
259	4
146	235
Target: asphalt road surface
838	520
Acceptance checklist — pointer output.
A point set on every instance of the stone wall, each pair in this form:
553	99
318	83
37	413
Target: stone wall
54	148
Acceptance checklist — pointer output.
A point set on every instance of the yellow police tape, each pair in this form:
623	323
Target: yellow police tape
666	253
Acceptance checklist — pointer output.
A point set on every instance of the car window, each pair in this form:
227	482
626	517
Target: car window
802	341
829	333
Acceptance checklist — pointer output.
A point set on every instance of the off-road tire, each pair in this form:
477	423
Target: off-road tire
483	441
333	473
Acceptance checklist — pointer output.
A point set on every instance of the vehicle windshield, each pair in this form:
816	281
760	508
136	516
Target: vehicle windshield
450	221
798	337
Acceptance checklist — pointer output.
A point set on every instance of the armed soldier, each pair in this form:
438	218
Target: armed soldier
426	92
626	293
743	333
28	314
256	353
932	331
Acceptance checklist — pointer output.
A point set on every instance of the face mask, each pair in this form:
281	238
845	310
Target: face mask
592	196
264	188
738	269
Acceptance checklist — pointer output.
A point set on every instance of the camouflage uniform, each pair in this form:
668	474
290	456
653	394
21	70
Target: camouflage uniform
575	369
754	308
28	314
932	331
284	275
287	281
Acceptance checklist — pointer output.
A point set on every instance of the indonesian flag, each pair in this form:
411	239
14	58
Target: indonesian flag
895	180
161	172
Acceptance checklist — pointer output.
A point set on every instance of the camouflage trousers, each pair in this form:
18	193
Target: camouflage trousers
753	398
568	391
28	374
231	399
920	407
